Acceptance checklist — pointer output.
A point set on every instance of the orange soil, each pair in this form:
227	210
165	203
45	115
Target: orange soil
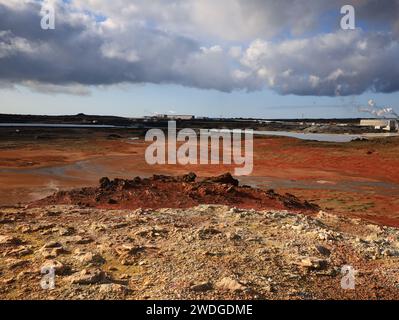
26	171
185	191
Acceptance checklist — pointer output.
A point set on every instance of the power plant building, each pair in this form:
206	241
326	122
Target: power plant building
383	124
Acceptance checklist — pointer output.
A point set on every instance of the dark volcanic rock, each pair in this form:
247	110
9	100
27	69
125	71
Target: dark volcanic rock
184	191
226	178
190	177
104	182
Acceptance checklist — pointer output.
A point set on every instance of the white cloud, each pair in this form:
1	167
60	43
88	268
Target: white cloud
223	45
223	19
340	63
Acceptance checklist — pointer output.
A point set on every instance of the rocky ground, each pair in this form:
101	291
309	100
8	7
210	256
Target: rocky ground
204	252
175	192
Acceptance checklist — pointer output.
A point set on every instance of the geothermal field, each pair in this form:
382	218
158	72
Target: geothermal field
85	201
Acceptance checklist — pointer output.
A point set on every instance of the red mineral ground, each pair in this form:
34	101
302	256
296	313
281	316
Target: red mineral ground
175	192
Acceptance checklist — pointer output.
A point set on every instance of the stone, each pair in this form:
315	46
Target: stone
24	229
52	250
7	220
226	178
152	232
87	276
206	233
17	263
25	274
201	287
52	244
105	183
10	241
98	227
190	177
129	249
268	288
20	251
83	240
8	280
390	253
53	213
327	235
113	288
233	236
323	250
47	232
230	285
59	267
52	253
45	226
90	258
119	225
66	231
313	263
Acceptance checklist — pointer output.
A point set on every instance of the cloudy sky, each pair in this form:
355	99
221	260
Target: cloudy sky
260	58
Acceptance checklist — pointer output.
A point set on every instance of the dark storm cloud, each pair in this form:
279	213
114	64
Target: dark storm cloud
382	11
140	42
79	51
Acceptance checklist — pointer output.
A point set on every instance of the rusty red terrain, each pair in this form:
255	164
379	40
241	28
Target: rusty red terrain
184	191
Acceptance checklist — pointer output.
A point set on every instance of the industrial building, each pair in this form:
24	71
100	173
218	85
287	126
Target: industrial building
383	124
171	117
